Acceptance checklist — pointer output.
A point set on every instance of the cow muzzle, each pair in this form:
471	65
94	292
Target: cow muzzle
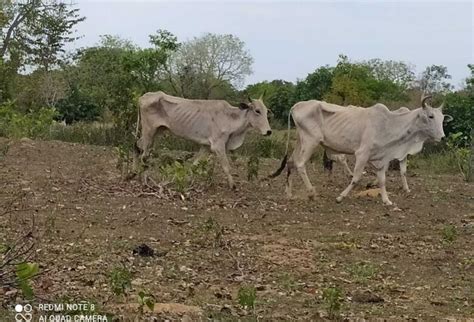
269	132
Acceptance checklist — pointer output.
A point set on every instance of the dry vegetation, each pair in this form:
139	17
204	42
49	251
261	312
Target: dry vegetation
247	254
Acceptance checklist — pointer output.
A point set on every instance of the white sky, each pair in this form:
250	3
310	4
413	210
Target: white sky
288	40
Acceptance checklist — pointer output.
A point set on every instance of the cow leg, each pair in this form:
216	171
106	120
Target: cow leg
201	153
347	170
219	150
301	156
143	145
403	172
361	161
381	180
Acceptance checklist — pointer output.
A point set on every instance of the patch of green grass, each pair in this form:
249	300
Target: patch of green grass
362	271
437	163
449	234
247	296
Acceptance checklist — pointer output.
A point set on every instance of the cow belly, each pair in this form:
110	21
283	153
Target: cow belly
199	135
341	144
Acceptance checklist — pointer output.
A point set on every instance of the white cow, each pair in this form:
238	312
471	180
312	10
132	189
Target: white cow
341	158
372	134
213	123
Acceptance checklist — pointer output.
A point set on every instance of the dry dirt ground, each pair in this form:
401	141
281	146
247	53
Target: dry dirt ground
388	262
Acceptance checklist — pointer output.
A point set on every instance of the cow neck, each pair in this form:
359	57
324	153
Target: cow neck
405	128
244	122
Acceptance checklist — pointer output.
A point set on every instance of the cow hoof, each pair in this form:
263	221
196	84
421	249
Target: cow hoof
407	190
387	203
339	199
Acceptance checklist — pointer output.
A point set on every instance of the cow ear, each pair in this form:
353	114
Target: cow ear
244	106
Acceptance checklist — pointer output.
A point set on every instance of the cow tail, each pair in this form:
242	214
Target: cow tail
285	158
137	150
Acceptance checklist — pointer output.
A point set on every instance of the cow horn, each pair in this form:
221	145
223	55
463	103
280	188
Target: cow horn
248	97
423	101
263	94
441	106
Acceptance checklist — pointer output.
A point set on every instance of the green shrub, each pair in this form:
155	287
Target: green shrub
462	155
145	299
24	273
77	107
34	124
120	279
332	296
185	176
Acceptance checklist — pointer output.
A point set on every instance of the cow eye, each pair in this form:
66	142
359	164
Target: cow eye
431	116
258	112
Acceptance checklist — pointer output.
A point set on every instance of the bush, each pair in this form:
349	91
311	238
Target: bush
332	296
77	107
120	280
34	124
185	176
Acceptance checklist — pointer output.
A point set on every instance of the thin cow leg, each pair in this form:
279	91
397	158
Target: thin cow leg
347	170
302	155
403	172
361	161
144	144
219	150
381	180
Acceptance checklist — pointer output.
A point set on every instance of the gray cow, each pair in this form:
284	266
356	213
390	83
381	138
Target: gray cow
213	123
373	134
341	158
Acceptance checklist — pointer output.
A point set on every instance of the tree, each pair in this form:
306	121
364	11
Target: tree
460	105
115	72
279	96
360	84
316	85
397	72
33	34
350	84
147	64
77	107
434	80
37	30
40	89
203	64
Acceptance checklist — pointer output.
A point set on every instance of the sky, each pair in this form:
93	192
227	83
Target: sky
289	39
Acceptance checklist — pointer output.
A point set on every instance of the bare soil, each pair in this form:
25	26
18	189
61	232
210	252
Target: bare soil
388	262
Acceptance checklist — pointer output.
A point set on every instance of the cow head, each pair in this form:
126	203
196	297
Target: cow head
257	115
432	120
